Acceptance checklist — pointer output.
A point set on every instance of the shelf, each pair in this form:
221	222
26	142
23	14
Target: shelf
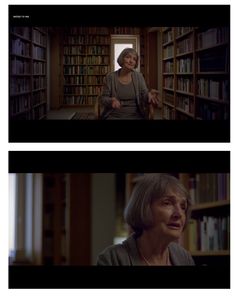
207	205
200	73
28	78
86	59
210	253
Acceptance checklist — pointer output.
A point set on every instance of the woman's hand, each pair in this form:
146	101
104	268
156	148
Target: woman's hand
115	103
153	97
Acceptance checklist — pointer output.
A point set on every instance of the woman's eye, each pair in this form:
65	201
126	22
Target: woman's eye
166	202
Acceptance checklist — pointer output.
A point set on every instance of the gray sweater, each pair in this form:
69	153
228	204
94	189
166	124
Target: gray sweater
110	90
126	254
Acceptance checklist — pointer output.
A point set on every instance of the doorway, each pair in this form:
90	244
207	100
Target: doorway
118	43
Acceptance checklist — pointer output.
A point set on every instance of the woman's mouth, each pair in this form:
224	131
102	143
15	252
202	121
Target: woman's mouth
174	226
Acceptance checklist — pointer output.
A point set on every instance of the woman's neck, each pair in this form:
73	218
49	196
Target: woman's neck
152	251
125	72
125	76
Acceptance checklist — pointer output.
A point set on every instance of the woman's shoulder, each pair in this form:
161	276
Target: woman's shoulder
138	75
113	255
112	73
180	255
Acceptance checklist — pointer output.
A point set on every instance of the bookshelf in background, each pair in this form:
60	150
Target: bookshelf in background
54	220
28	79
212	73
168	73
86	60
195	70
66	229
207	236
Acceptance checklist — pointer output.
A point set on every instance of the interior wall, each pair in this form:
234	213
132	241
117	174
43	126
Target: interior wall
103	212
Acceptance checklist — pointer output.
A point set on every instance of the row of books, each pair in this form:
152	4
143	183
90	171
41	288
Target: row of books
212	88
19	104
82	90
182	30
75	99
87	30
168	52
39	97
74	50
86	60
186	103
209	234
20	47
39	111
184	46
39	82
125	30
83	80
168	67
184	84
23	67
39	37
207	187
20	85
212	37
168	113
212	111
167	36
25	32
39	53
168	82
184	65
39	68
22	103
83	70
19	66
86	39
168	97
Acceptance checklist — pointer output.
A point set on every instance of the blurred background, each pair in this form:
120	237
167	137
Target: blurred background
69	218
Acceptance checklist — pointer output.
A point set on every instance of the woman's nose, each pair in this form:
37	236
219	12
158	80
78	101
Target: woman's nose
177	212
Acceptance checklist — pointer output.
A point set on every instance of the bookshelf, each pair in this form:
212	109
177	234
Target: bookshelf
86	60
66	229
195	73
54	219
27	68
207	235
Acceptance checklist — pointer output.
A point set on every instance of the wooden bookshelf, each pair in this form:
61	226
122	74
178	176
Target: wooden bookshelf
195	73
86	60
27	67
54	220
207	235
66	229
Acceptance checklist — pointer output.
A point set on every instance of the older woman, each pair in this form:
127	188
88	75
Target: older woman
125	94
158	211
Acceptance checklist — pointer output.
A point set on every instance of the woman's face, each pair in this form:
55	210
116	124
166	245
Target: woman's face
169	215
129	61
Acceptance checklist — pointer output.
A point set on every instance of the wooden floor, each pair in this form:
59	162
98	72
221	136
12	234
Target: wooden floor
87	114
62	114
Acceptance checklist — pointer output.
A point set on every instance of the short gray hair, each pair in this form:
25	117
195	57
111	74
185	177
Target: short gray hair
124	53
150	187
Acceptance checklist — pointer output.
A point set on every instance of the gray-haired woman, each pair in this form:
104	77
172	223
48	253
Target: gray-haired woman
158	211
125	94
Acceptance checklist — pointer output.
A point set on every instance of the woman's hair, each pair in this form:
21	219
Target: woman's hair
148	188
124	53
